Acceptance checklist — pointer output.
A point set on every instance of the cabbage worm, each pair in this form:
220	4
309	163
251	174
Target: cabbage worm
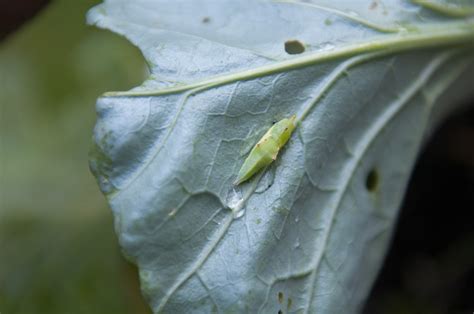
266	150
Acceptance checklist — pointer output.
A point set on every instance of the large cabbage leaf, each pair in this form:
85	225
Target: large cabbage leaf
367	80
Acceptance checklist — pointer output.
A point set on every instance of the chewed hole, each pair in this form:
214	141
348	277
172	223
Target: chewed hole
294	47
280	297
372	180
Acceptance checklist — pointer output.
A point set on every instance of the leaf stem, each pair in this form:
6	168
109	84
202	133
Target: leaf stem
445	8
455	33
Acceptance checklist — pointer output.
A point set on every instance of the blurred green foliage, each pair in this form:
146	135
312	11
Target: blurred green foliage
58	252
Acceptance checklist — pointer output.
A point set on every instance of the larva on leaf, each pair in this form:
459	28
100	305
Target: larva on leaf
267	148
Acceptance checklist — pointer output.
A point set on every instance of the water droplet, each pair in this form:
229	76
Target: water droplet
297	243
238	213
173	212
236	204
326	46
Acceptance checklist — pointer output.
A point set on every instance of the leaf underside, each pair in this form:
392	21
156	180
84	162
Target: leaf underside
308	234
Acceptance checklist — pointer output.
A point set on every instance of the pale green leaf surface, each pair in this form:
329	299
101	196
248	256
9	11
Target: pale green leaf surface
307	235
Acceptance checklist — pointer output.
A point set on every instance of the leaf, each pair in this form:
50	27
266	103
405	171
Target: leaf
366	81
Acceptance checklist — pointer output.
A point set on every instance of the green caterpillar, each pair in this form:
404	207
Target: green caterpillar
267	148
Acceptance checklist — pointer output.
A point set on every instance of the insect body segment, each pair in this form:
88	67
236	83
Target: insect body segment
267	148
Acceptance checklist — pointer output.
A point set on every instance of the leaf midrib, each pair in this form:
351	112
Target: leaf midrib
439	34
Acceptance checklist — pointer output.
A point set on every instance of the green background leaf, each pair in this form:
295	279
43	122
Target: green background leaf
58	251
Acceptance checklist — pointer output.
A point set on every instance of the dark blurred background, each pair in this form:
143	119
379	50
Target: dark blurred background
58	251
430	265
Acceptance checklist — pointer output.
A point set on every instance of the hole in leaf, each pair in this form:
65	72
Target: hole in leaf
280	312
294	47
280	297
372	180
